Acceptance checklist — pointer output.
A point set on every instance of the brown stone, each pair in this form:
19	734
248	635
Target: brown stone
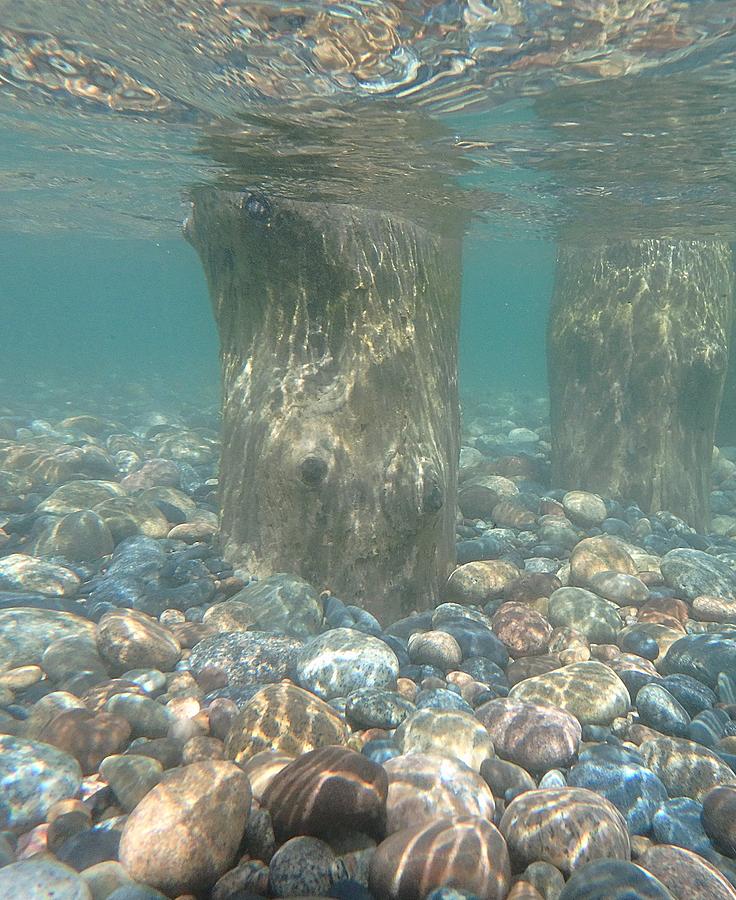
686	875
534	736
509	514
465	853
599	554
424	787
435	648
719	818
529	586
97	696
445	732
685	768
185	833
262	768
128	639
328	791
88	737
566	827
523	631
529	666
286	718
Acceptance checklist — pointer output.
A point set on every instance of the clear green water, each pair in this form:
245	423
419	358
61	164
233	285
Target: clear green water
529	120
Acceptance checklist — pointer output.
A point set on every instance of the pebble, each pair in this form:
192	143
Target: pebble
621	777
42	878
301	867
685	874
590	691
26	633
465	853
475	583
164	841
128	639
522	630
599	554
371	708
327	792
343	660
246	658
583	508
87	736
614	879
535	736
685	768
435	648
566	827
702	656
452	733
285	718
693	573
719	818
280	603
424	787
34	776
658	709
131	777
592	616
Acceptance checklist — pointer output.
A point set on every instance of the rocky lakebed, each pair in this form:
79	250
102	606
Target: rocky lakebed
561	725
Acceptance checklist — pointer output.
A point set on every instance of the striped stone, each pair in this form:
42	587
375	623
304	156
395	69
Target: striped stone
423	787
284	718
325	792
466	853
566	827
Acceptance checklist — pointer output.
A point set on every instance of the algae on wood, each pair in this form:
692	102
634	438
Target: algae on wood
338	330
637	353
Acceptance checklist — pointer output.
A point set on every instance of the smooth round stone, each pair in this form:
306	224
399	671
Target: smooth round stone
686	874
521	629
369	708
77	495
106	877
46	709
577	608
262	768
131	777
285	718
42	878
435	648
302	867
513	514
599	554
535	736
476	639
424	787
658	709
151	680
639	643
26	633
693	573
146	717
583	508
708	727
623	590
458	735
484	670
247	657
678	821
90	846
475	583
708	608
153	472
685	768
634	790
326	792
566	827
343	660
614	879
719	818
33	776
702	656
70	655
127	516
78	537
185	833
465	853
692	694
477	498
128	639
88	737
502	776
546	878
280	603
590	691
442	699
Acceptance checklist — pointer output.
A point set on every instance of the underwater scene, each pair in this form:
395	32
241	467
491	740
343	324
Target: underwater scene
368	449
